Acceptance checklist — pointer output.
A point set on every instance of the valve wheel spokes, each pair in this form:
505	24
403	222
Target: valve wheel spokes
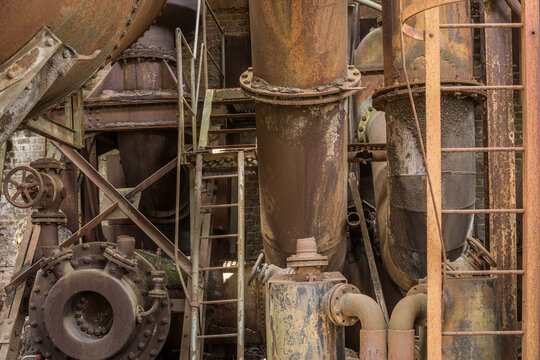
28	190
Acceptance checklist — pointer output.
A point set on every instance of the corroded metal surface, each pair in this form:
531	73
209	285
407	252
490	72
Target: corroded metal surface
99	301
85	25
456	44
500	179
302	174
470	305
301	149
298	44
405	244
297	326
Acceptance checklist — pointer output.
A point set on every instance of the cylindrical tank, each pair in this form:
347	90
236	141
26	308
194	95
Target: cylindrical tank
297	326
297	322
470	305
301	46
404	246
108	26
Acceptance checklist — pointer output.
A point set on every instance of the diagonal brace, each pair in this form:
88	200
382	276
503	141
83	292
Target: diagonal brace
125	205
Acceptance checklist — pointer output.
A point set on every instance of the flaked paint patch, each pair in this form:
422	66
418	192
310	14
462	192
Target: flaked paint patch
332	137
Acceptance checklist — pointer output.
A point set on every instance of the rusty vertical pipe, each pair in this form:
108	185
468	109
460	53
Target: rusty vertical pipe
404	247
299	76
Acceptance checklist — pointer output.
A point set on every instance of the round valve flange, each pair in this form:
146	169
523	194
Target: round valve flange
332	301
481	252
26	192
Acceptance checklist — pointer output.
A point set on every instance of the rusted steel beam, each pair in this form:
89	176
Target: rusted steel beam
135	215
434	195
530	74
500	180
377	287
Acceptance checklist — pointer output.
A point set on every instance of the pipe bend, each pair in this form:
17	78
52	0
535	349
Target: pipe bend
407	311
364	309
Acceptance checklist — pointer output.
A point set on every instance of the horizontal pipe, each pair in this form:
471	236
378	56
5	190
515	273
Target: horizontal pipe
482	333
376	156
482	26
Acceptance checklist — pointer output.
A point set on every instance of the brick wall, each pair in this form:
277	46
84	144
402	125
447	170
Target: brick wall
23	148
233	16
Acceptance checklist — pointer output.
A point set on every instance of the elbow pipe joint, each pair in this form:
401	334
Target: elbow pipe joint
401	339
345	305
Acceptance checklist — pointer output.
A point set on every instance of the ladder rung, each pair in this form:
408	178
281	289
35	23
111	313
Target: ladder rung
484	333
217	206
483	211
231	116
216	302
222	236
485	272
482	87
217	336
482	26
224	176
232	131
484	149
217	268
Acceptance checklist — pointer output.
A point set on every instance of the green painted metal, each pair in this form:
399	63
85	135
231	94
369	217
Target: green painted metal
205	120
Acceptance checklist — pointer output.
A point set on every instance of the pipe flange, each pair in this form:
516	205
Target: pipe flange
332	303
391	93
57	258
339	89
39	218
120	259
48	164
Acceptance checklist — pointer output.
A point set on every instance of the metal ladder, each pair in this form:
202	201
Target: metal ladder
530	29
197	335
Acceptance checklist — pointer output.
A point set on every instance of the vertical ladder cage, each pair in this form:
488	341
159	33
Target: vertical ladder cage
530	28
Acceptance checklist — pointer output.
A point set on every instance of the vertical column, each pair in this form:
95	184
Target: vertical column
434	197
500	167
240	256
531	180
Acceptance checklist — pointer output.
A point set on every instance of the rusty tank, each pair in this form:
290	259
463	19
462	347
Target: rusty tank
97	29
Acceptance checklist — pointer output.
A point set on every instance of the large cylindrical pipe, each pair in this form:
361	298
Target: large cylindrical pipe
404	246
301	45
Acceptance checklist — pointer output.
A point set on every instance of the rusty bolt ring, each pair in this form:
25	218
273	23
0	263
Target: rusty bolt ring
333	299
331	93
23	187
57	309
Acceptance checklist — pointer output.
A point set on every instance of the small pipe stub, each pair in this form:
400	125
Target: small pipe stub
306	255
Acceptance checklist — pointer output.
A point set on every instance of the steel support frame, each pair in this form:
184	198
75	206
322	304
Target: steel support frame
434	197
530	47
530	74
126	207
500	167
